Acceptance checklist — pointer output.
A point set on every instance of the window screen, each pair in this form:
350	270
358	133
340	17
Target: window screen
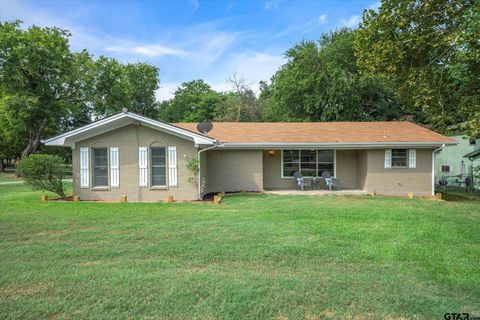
159	176
100	167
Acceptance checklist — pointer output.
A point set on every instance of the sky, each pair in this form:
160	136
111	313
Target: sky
192	39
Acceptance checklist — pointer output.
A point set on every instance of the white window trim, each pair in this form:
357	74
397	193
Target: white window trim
334	163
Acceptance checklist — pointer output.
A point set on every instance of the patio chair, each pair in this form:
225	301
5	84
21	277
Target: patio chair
301	182
328	179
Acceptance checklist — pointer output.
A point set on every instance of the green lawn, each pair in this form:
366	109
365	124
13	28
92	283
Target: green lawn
257	257
9	176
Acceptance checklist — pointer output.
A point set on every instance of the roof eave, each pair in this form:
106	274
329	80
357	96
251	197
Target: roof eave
68	139
335	145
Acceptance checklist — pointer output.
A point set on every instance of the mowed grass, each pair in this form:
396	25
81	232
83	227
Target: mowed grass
9	176
255	256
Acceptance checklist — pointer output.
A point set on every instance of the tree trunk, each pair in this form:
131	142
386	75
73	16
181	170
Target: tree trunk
2	167
34	140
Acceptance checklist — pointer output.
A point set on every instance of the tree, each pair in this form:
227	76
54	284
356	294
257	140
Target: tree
321	82
429	52
193	101
115	86
241	103
36	82
43	172
46	89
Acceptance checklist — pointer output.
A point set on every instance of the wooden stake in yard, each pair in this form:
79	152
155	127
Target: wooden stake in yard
217	198
76	198
123	198
170	199
44	197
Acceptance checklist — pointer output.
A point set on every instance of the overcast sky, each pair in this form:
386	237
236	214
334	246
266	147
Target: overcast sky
192	39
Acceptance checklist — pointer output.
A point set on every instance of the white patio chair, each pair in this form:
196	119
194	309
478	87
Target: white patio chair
328	179
301	181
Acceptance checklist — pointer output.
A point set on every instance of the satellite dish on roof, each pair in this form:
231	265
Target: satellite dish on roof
204	127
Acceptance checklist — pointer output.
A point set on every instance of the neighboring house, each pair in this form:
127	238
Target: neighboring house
451	162
146	160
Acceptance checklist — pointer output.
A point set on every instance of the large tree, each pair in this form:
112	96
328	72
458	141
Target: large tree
46	89
321	82
429	51
240	103
38	83
193	101
115	86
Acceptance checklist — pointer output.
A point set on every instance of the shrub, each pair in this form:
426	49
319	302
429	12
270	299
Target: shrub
43	172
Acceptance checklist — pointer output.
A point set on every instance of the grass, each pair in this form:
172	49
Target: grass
257	257
9	176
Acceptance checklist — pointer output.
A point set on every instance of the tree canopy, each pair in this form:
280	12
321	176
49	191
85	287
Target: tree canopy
45	88
321	82
429	53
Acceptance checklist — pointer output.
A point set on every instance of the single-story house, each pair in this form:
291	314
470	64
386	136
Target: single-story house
148	160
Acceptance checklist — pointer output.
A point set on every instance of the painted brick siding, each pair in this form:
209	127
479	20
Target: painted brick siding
128	139
234	170
399	181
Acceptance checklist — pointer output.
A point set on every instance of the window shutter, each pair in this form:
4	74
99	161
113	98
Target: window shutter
84	164
412	158
143	165
172	166
114	168
388	158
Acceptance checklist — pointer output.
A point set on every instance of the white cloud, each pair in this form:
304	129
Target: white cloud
166	91
304	28
252	66
351	22
146	50
272	4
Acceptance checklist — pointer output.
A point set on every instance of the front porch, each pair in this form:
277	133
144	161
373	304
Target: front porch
343	192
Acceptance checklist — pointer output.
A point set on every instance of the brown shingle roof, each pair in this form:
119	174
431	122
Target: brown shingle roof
320	132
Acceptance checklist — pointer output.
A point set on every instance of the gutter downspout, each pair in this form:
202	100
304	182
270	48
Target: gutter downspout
199	182
433	167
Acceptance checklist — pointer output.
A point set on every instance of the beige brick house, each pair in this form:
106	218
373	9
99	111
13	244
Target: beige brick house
146	160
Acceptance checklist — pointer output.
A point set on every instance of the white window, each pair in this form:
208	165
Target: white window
309	163
399	158
159	172
100	167
445	168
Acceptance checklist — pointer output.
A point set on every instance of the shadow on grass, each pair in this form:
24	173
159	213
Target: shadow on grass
459	196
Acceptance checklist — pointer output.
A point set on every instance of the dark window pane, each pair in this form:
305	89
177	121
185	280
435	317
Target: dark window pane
308	156
100	167
158	167
399	157
289	172
291	155
159	181
325	167
158	152
325	155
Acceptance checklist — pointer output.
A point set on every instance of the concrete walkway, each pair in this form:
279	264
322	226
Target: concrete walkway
318	192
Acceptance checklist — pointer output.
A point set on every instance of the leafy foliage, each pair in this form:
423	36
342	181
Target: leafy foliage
321	81
43	172
428	51
194	101
46	89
